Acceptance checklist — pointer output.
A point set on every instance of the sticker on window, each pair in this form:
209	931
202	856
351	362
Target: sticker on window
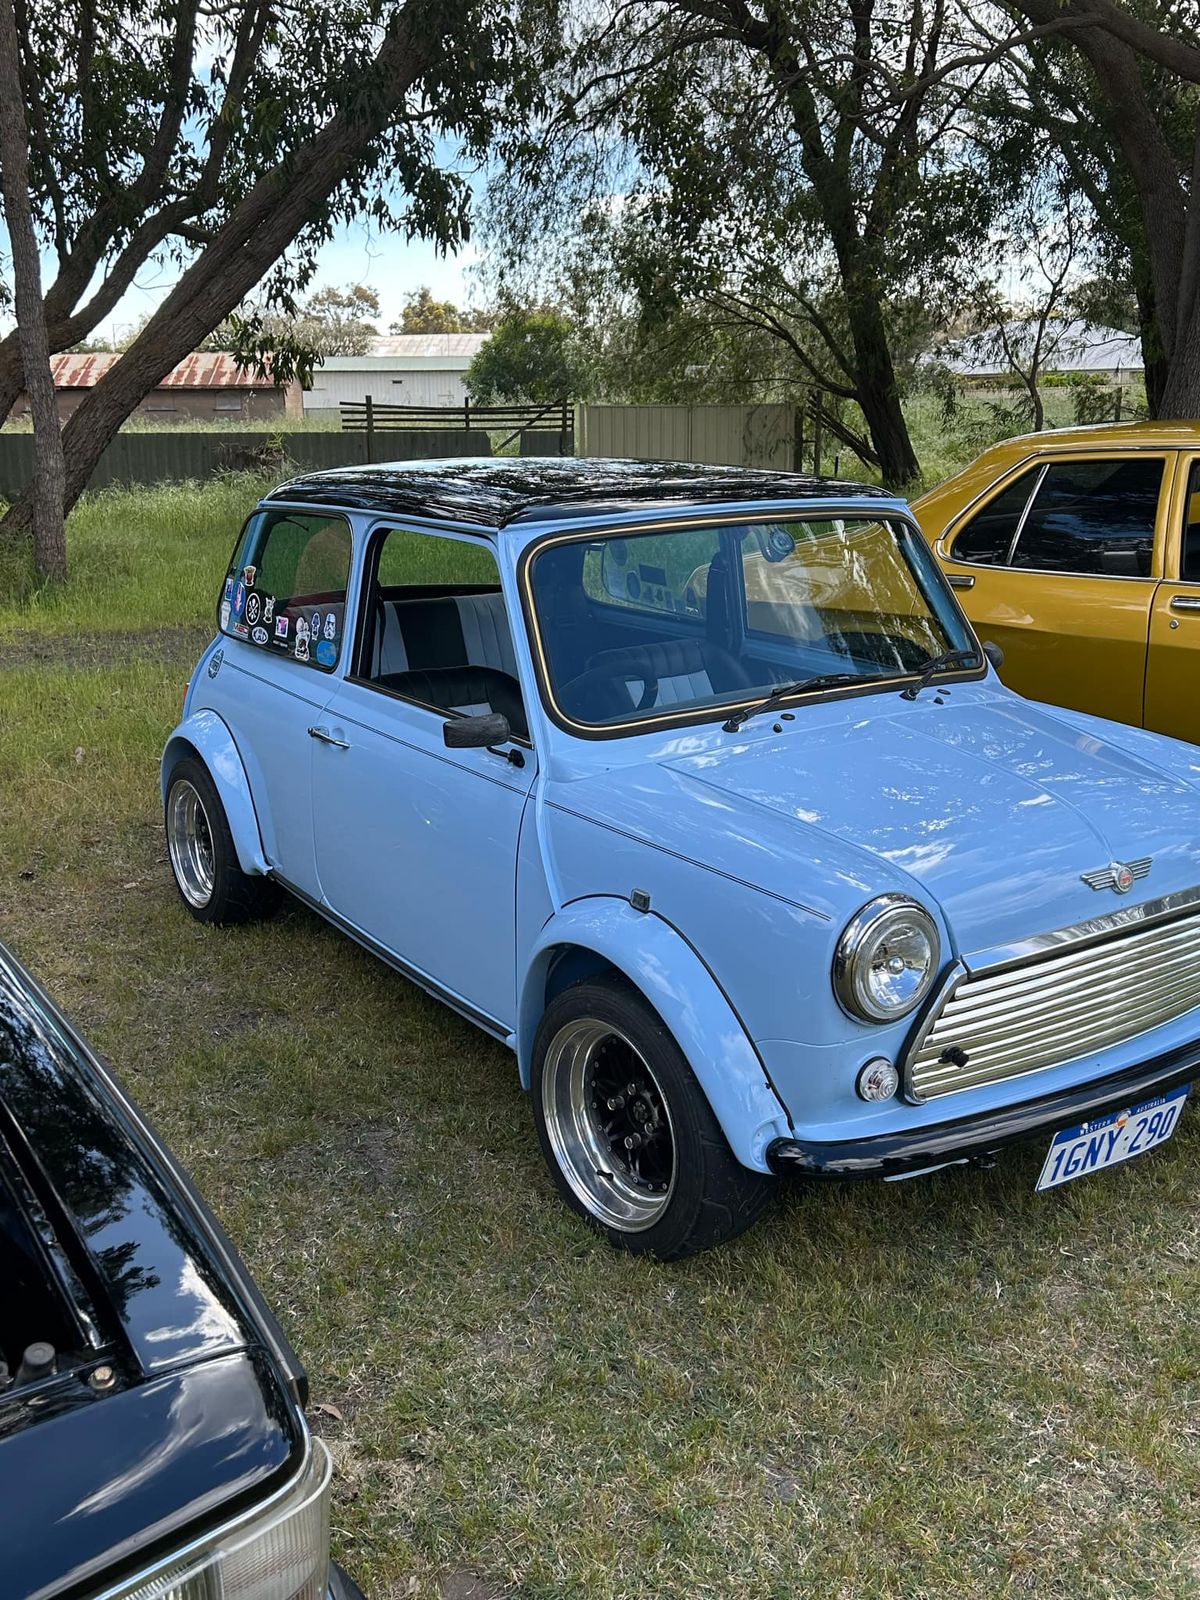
301	639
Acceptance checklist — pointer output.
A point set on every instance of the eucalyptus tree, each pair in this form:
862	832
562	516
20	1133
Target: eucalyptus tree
1118	91
755	157
49	538
224	141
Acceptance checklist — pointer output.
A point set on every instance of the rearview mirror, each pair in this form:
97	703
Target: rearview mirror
994	653
476	733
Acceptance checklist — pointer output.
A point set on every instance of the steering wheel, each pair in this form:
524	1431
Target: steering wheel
600	692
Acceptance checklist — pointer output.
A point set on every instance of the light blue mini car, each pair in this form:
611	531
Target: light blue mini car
694	787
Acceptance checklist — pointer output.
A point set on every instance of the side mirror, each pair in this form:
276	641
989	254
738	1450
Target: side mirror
476	733
994	653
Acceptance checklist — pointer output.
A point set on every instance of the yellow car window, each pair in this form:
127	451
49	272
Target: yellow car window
1093	517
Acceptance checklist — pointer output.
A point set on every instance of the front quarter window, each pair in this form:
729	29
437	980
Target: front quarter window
637	629
285	590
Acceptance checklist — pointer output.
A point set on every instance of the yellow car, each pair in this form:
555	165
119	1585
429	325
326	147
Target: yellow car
1078	552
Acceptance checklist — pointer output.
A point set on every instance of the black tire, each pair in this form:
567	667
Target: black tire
200	849
590	1035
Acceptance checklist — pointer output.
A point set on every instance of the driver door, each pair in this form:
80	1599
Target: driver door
416	845
1059	567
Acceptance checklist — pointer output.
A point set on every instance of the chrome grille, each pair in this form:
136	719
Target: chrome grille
1057	1007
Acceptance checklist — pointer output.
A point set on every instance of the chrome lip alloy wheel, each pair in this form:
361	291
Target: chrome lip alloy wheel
189	839
609	1125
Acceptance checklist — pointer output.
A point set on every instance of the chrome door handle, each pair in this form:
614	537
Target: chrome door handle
960	580
1185	602
327	738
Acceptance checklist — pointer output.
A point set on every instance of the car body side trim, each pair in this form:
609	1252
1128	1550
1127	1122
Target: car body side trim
431	986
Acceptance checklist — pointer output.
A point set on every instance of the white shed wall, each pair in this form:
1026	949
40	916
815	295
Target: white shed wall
388	385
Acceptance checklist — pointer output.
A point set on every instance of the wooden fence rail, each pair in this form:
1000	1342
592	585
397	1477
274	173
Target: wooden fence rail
555	418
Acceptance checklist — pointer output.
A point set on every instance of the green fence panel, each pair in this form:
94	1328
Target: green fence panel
178	456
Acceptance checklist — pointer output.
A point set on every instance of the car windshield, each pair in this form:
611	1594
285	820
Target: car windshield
670	625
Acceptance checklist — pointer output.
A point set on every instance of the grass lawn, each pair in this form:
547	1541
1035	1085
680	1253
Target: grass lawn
945	1387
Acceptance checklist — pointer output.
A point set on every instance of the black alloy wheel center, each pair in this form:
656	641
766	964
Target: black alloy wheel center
629	1112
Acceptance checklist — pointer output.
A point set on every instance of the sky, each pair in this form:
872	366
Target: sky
356	254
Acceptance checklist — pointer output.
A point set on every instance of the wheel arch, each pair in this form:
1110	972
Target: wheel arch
606	935
205	736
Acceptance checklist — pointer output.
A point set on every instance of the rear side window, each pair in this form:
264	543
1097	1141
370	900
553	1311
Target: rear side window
1093	517
286	588
988	536
1190	565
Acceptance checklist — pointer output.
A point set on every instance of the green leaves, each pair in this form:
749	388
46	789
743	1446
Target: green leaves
531	355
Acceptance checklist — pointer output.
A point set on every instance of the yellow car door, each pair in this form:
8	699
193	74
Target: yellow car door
1058	564
1173	667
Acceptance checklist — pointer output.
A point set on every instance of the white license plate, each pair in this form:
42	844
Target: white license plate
1111	1139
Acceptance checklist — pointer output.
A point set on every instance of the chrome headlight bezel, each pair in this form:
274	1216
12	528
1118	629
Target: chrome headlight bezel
860	937
287	1532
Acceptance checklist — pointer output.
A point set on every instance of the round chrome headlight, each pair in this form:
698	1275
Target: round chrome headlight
886	959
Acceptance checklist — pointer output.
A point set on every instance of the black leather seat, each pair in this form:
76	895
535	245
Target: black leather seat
471	691
657	676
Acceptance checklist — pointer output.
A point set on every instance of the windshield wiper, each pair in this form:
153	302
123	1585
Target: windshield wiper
823	680
948	658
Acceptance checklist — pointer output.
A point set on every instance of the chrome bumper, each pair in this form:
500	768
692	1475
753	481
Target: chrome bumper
939	1144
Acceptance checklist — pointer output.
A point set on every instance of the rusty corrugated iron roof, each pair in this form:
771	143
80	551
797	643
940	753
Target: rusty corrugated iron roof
204	369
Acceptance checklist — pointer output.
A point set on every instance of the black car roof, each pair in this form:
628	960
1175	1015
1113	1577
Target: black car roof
498	493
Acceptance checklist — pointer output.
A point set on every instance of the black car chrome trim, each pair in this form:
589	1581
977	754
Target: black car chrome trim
218	1534
912	1150
244	1288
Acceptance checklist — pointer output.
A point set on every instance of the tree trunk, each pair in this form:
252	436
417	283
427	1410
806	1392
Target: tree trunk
875	374
1037	408
46	493
829	172
252	239
1154	360
1180	399
1166	280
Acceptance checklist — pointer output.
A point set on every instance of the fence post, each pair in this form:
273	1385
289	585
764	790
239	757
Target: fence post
370	430
797	438
466	413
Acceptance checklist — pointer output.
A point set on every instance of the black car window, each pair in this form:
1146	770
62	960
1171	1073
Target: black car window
1190	558
437	629
989	534
285	590
1093	517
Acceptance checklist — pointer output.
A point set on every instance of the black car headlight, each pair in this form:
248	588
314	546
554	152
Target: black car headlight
886	959
277	1551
